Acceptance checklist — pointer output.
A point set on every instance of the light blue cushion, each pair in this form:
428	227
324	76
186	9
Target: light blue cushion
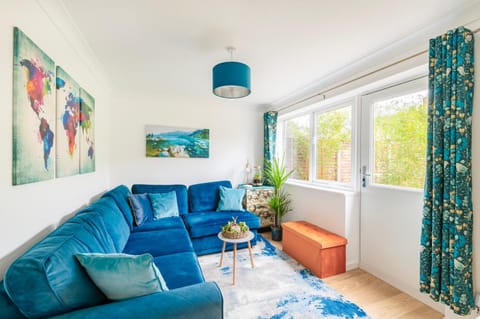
164	205
141	208
230	199
122	276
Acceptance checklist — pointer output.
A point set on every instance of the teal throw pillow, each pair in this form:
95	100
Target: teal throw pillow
164	204
230	199
141	208
122	276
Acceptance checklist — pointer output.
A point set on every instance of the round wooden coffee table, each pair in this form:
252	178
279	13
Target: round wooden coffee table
235	242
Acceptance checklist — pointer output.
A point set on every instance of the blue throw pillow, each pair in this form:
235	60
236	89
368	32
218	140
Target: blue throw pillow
141	208
122	276
230	199
164	204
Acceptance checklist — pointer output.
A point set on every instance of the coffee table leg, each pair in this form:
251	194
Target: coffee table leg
234	261
223	252
250	251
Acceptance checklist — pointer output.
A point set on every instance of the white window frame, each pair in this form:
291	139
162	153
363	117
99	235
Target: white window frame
313	111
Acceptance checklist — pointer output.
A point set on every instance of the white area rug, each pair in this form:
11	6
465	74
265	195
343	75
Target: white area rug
278	287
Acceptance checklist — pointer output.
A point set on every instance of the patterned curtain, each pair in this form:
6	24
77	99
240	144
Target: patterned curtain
446	238
269	136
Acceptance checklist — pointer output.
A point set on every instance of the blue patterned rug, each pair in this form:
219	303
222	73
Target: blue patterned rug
278	287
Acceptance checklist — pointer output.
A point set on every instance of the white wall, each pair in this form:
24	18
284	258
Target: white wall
235	132
29	212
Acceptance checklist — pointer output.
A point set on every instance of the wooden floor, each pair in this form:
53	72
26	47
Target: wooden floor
379	299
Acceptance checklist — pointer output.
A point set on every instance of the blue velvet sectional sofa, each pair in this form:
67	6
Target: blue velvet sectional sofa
48	281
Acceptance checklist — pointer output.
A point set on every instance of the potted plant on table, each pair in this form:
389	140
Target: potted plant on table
276	175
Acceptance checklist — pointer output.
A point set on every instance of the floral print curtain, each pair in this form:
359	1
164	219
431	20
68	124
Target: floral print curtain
269	136
446	237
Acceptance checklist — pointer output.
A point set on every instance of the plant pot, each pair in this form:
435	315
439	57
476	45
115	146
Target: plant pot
276	233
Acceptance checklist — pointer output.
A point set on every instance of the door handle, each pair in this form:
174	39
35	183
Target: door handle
364	175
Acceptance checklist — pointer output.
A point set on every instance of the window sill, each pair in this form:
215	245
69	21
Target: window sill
347	191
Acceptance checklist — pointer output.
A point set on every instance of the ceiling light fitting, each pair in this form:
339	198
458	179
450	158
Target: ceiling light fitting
231	79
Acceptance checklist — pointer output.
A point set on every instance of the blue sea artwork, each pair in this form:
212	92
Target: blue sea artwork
164	141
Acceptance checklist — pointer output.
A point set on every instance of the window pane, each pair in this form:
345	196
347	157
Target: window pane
334	145
297	146
400	135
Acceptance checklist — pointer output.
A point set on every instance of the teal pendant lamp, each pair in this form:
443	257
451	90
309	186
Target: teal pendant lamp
231	79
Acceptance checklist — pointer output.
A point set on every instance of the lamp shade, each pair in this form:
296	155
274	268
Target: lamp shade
231	80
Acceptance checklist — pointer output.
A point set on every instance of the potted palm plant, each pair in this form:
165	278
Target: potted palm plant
276	175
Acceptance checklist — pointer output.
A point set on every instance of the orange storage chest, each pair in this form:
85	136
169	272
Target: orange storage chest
319	250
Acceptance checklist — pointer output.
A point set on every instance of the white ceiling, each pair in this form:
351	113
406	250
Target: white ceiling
171	46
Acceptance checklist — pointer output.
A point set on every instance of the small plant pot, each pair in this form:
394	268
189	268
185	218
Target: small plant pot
276	233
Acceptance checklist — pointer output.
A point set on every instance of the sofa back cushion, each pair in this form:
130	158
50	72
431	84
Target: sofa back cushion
180	191
204	197
7	308
47	280
120	195
115	223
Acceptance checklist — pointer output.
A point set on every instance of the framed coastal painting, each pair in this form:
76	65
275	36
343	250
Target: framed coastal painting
68	125
87	132
166	141
33	150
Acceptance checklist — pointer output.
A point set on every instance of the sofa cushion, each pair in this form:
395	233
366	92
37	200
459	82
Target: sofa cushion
141	208
122	276
7	308
230	199
159	243
115	223
164	204
120	195
47	280
204	197
180	269
161	224
210	223
180	190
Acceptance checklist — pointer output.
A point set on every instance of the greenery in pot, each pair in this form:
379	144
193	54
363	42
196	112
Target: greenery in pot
276	175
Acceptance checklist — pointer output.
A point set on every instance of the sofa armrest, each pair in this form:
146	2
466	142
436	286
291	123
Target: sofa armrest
200	301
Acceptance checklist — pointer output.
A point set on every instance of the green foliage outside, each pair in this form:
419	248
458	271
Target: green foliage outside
400	127
334	133
298	140
400	135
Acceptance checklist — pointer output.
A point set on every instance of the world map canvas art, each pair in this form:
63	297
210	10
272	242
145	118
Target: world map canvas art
87	132
68	125
164	141
33	112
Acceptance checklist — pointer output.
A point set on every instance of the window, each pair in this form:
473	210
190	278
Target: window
400	135
334	145
318	145
297	146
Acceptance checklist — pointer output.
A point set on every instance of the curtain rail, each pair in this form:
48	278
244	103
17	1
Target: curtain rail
323	92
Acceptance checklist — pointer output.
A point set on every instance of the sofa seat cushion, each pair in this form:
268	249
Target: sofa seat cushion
180	269
47	280
159	243
120	195
180	192
161	224
202	224
204	197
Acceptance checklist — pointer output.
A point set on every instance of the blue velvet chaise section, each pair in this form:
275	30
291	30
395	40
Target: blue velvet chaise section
47	281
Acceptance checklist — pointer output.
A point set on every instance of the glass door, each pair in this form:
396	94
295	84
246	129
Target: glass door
393	140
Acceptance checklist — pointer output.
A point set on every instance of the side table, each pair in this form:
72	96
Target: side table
256	201
235	242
